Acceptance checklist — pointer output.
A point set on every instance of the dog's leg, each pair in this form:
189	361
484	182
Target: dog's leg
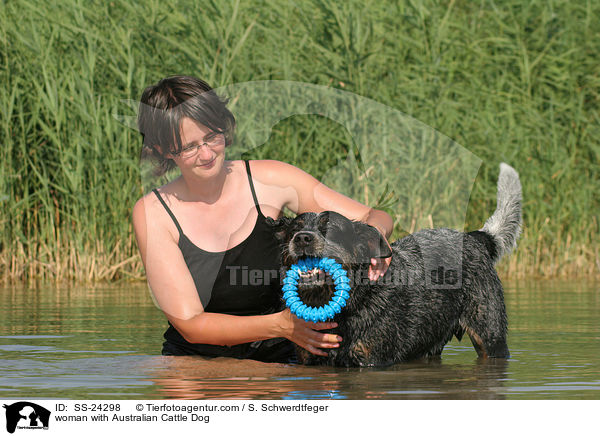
477	342
485	322
487	335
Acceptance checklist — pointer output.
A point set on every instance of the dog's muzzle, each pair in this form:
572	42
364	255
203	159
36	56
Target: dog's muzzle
303	239
305	244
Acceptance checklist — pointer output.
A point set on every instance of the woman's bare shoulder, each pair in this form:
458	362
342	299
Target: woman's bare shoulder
148	211
146	203
272	172
150	200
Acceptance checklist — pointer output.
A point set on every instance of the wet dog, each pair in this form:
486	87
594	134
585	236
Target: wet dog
440	283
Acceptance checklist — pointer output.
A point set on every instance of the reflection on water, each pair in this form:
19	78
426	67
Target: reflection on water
223	379
105	343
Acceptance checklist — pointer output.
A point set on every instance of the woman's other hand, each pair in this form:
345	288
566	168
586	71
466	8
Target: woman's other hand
378	267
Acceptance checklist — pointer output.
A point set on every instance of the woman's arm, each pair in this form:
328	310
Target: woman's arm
381	220
174	292
301	193
221	329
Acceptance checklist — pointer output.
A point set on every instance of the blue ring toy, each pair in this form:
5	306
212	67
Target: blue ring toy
310	313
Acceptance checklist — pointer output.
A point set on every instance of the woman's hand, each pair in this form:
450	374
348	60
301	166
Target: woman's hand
378	267
303	333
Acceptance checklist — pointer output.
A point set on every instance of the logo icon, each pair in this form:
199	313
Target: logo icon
26	415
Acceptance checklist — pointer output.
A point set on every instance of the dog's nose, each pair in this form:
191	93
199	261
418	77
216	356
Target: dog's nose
302	239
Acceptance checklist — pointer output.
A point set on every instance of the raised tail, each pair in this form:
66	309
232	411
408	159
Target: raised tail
505	224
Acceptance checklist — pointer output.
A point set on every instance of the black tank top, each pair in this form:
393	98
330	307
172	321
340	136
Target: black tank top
243	280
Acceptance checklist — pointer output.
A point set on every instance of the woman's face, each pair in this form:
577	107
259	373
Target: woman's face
203	151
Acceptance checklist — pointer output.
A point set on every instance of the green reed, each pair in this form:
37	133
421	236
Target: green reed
509	81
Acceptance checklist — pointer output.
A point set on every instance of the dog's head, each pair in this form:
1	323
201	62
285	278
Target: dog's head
327	234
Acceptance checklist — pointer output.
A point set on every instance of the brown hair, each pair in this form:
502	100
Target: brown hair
165	104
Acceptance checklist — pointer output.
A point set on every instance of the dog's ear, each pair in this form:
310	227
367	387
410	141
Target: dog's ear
371	243
279	226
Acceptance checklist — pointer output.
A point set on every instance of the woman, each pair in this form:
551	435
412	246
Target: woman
203	237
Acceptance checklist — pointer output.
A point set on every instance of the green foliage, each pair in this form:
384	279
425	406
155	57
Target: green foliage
510	81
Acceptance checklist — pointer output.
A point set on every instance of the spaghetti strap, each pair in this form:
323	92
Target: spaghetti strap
169	211
252	187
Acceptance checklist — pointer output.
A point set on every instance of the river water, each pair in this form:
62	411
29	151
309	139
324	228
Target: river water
104	343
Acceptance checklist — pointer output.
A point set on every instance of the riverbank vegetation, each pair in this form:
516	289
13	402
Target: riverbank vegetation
510	81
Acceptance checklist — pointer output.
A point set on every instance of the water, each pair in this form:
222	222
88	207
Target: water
104	343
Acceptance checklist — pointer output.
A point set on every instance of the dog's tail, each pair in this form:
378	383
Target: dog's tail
504	226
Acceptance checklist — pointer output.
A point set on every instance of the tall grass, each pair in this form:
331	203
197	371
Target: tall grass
510	81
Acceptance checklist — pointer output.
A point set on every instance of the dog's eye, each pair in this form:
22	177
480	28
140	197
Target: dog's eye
326	228
323	224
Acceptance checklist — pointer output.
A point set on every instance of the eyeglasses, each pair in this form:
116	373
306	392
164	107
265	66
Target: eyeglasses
217	140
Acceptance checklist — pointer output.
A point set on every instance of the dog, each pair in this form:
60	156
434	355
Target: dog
440	283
